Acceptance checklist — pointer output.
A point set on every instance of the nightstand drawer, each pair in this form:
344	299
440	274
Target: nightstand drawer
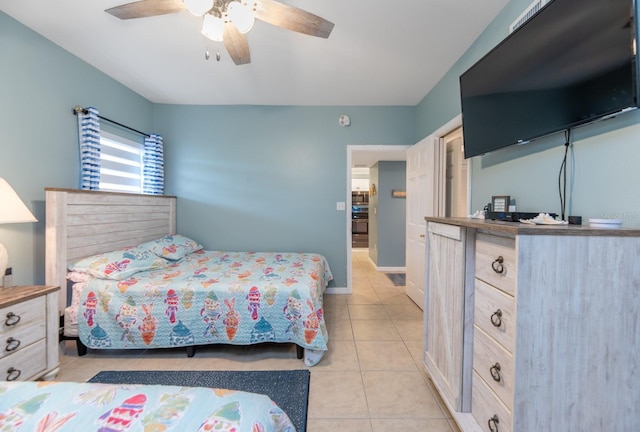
29	324
22	314
22	336
487	408
494	312
25	363
496	261
494	364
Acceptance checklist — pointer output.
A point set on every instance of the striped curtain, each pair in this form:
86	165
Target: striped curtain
153	161
89	131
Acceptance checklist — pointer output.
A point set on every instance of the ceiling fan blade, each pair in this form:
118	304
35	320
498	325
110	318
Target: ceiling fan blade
146	8
293	18
236	44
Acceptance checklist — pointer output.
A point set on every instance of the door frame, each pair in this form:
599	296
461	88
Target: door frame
351	149
444	130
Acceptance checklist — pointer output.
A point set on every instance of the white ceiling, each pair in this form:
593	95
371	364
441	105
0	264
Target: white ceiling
379	53
365	157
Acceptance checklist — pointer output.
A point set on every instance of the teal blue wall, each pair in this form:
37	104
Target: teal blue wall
266	177
40	84
391	214
603	162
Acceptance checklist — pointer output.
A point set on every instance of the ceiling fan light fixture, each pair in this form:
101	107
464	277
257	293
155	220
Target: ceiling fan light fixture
241	16
198	7
213	27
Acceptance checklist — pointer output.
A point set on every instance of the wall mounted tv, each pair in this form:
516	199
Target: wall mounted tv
573	62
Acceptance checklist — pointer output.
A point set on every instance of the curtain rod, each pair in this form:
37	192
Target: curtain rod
78	109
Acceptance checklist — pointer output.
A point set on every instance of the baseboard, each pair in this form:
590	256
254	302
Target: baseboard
337	290
391	269
388	269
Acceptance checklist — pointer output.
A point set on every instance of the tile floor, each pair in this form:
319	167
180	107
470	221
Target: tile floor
371	380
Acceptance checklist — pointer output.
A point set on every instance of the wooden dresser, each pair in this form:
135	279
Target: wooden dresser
29	333
538	326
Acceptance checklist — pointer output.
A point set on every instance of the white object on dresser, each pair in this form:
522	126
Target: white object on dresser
29	330
555	327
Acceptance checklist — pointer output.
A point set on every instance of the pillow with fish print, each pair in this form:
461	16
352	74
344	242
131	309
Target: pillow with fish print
172	247
120	264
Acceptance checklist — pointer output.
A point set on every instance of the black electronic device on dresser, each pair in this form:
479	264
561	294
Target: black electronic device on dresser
514	216
360	219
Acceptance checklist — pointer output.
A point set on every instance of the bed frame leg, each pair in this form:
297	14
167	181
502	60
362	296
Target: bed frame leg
82	348
299	352
191	351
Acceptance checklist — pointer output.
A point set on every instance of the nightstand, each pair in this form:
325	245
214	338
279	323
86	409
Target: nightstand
29	333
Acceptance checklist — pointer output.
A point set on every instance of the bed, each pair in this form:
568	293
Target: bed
68	406
135	284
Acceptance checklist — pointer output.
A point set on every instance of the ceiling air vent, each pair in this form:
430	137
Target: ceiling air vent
530	11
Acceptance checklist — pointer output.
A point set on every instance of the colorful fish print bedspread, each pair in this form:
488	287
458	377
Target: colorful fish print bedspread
84	407
210	297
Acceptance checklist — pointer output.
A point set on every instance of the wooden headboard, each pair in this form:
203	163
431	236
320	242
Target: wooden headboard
84	223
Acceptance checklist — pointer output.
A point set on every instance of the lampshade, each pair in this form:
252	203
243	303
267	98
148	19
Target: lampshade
12	210
198	7
241	16
213	27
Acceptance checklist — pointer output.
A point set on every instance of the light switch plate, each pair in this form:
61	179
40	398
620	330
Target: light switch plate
340	205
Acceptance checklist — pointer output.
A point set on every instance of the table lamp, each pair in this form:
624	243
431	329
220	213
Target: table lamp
12	210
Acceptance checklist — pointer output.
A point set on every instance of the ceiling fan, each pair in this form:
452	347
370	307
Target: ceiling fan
228	21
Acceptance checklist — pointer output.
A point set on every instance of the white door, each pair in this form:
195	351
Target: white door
425	197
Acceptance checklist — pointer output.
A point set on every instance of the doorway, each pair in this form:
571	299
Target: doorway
365	156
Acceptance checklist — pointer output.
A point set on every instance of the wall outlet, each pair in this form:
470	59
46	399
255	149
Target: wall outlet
7	279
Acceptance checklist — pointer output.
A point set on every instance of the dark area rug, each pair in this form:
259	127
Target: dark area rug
288	388
398	279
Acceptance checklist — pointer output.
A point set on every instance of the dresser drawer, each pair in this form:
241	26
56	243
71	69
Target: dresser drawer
28	361
485	406
22	315
496	261
491	307
494	364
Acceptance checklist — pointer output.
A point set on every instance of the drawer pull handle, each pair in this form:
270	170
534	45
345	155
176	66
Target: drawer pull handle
496	318
495	372
497	265
493	423
12	344
13	374
12	319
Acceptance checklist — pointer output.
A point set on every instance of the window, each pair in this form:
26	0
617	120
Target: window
120	164
112	163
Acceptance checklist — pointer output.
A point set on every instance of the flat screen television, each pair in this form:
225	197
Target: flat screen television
573	62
